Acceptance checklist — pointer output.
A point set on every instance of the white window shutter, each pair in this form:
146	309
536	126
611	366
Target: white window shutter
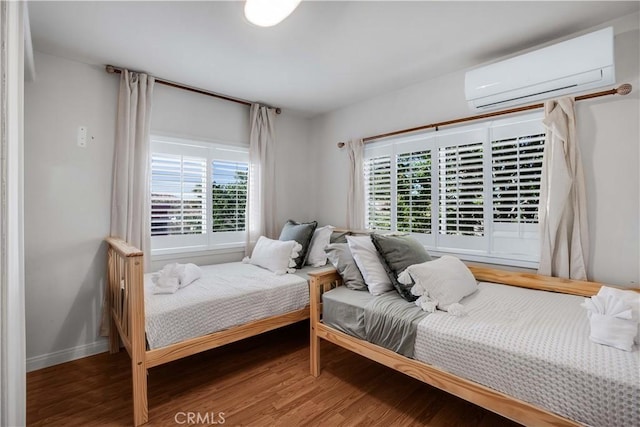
413	194
470	190
461	202
229	195
378	196
198	195
178	194
516	171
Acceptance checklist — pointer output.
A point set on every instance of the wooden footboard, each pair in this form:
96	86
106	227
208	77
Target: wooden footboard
320	282
126	308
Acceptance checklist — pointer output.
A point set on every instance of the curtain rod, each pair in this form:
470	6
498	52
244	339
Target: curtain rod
623	89
117	70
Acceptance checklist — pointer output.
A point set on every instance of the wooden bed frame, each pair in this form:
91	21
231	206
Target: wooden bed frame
125	287
500	403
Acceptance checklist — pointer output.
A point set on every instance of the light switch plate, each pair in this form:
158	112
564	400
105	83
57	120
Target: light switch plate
82	136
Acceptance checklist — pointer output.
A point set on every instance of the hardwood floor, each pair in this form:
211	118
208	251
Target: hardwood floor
261	381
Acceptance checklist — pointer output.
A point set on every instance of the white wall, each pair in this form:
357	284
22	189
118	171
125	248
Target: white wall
608	134
68	192
294	183
67	205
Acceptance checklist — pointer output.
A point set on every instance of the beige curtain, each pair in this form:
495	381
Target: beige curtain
261	207
130	197
563	211
355	190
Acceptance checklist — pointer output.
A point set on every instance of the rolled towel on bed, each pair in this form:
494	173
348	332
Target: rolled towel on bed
611	321
167	280
631	298
165	285
189	274
175	276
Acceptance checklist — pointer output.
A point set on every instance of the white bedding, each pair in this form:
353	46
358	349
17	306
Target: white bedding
535	346
227	295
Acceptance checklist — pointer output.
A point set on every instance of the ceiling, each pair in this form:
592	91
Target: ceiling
326	55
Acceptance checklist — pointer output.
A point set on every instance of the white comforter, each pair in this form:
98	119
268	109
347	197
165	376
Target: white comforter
535	346
227	295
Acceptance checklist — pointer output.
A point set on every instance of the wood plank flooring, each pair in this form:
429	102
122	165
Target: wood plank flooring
261	381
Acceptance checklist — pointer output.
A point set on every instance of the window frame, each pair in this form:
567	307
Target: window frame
209	242
472	248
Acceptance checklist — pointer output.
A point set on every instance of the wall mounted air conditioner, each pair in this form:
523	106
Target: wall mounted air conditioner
575	65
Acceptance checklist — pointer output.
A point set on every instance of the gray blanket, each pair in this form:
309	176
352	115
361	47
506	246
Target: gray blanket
392	322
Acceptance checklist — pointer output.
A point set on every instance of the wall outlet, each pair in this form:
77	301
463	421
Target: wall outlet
82	136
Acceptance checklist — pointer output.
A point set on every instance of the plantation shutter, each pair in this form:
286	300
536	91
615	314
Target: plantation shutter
178	194
413	195
229	195
516	172
472	191
198	195
517	147
461	190
378	194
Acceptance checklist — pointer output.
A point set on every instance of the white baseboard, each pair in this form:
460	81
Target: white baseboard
67	355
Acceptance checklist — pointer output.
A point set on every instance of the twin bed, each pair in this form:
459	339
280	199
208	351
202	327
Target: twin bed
523	354
229	303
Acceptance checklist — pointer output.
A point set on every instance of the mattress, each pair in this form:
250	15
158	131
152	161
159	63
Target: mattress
535	346
227	295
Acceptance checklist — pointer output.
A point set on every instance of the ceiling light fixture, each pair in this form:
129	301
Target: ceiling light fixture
267	13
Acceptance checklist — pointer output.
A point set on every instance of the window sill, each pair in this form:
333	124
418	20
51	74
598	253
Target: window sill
190	252
487	259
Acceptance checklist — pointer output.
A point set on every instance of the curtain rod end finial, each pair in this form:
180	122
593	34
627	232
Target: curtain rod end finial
110	69
340	144
624	89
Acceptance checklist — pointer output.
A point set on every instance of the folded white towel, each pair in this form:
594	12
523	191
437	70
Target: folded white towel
631	298
167	280
165	285
189	274
611	321
175	276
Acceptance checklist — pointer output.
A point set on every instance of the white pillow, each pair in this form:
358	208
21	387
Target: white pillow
368	262
275	255
317	257
630	298
441	283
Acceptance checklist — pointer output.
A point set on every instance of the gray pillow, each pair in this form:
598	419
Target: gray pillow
340	257
398	253
301	233
339	237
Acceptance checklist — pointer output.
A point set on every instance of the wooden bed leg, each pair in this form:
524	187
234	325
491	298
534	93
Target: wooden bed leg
140	408
137	337
315	352
314	318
